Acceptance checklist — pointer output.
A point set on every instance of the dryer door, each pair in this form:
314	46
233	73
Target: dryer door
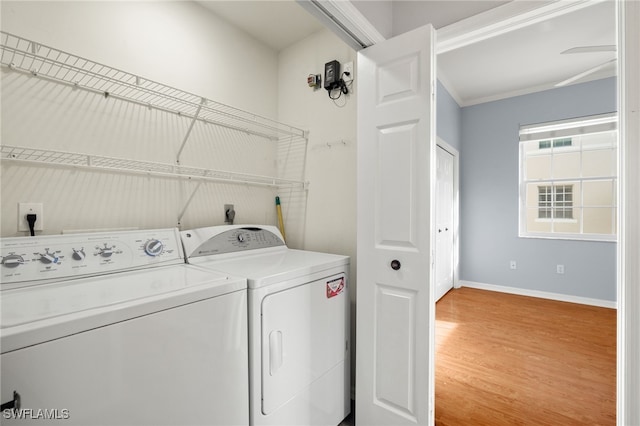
304	336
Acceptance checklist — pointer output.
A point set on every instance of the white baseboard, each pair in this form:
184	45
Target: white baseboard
541	294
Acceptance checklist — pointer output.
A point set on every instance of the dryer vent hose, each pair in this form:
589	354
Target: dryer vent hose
280	221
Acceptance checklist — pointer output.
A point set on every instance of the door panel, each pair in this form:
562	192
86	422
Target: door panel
395	201
396	183
390	385
398	79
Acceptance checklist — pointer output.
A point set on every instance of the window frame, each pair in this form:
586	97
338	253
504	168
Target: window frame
565	130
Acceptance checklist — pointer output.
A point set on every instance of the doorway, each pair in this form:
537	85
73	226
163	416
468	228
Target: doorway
446	219
491	249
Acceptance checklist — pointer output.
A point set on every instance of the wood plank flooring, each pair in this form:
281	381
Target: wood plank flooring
512	360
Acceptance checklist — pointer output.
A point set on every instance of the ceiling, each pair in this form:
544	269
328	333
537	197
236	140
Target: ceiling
281	23
530	59
277	23
521	61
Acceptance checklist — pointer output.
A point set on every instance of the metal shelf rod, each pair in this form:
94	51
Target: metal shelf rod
120	165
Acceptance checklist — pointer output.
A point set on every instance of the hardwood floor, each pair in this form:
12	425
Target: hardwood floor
512	360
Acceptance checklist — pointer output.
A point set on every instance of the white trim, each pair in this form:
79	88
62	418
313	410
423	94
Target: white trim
456	208
345	20
354	20
503	19
628	374
514	93
541	294
597	238
506	95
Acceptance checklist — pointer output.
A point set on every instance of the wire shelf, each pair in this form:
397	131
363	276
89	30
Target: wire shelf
121	165
46	62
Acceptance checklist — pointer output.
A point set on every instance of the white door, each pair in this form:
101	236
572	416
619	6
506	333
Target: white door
444	222
304	347
396	182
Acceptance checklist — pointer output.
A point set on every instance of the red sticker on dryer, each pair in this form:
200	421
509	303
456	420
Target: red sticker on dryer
335	287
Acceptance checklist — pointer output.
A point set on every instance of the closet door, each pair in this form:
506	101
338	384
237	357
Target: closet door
444	222
396	180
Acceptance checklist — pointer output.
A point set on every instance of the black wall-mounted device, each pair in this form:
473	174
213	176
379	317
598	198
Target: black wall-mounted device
332	75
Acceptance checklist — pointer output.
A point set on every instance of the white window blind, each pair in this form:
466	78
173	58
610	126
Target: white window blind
573	127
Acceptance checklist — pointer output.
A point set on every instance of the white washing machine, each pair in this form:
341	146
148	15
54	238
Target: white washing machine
298	328
115	329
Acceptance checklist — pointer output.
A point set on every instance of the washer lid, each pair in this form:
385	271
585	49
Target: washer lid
274	267
35	314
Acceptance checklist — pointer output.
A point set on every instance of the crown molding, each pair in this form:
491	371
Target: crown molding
503	19
345	20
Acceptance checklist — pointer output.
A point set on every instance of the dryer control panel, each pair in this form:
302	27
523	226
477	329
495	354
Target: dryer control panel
53	257
216	240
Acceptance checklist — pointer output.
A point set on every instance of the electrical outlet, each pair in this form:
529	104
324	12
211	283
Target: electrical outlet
560	269
347	67
30	208
513	264
229	213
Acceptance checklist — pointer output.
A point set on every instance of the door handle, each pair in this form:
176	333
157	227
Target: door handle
439	230
395	264
275	351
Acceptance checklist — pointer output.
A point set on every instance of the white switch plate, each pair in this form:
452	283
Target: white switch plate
28	208
560	269
513	264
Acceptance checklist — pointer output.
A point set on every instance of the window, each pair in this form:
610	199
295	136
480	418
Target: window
568	179
555	201
557	143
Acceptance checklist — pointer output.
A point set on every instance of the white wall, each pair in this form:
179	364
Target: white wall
489	194
176	43
331	170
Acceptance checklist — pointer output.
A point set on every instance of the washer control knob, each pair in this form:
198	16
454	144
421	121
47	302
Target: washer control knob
153	247
12	261
78	254
47	257
240	238
105	251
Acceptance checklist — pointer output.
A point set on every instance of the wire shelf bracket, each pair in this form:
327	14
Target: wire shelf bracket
188	203
193	122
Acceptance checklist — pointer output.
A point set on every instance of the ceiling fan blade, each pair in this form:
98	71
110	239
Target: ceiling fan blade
584	73
591	49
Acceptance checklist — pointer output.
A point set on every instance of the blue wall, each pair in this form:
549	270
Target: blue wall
489	198
448	118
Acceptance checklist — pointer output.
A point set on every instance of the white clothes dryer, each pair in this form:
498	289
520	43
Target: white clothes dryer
298	327
114	328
